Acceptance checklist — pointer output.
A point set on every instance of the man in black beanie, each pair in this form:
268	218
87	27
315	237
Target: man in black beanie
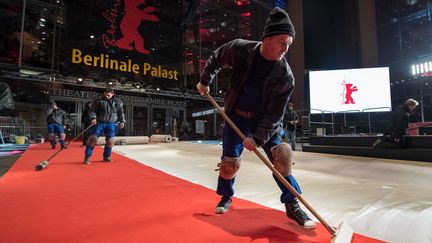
260	87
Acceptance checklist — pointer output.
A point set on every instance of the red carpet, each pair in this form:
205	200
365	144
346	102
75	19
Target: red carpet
125	201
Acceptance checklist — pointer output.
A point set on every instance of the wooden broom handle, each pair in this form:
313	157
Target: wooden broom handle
271	167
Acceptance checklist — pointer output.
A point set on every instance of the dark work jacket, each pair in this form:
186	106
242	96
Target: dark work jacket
238	55
105	110
290	116
56	116
400	121
85	117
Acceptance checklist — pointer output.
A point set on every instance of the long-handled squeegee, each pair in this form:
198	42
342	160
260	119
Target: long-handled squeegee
344	232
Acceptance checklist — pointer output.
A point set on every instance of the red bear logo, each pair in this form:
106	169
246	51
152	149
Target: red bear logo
130	23
349	89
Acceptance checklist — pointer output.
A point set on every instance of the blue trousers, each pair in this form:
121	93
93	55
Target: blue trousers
290	137
233	147
57	129
102	127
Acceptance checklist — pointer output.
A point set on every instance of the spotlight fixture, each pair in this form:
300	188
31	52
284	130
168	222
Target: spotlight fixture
123	80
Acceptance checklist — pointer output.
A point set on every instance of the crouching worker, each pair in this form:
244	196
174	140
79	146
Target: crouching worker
394	137
104	113
56	119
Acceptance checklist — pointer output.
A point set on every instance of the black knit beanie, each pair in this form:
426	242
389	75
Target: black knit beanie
278	23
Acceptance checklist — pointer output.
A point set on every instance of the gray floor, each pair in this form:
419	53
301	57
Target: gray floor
389	200
6	162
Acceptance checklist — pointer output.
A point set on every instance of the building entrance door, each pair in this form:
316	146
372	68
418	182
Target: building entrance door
160	124
140	124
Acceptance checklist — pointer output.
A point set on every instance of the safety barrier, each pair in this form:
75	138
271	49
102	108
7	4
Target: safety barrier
12	125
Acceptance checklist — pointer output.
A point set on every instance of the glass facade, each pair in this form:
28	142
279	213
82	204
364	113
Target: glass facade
404	30
10	27
151	52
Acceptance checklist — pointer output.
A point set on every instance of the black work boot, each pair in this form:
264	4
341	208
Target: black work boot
223	205
107	159
294	211
87	160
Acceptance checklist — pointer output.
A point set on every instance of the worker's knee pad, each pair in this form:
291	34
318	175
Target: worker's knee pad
282	158
62	136
110	142
51	136
229	167
92	141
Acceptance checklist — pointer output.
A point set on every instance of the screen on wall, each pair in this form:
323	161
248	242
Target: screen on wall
350	90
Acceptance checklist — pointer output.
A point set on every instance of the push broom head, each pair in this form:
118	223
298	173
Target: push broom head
344	234
42	165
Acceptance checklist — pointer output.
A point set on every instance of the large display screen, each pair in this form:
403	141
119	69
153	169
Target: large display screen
350	90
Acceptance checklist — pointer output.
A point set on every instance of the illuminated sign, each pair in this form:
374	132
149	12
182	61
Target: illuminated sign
133	39
104	61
